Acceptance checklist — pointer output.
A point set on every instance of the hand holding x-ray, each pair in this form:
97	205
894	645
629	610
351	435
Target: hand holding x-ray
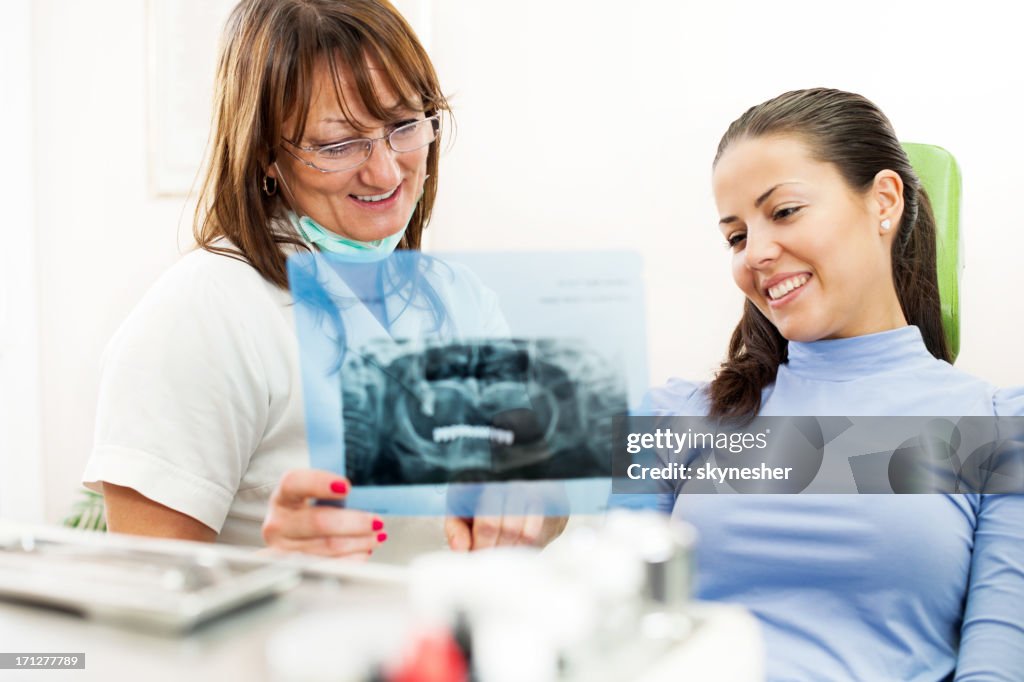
513	515
483	532
509	515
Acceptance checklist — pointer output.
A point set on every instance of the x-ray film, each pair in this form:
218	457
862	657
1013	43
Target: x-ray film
453	385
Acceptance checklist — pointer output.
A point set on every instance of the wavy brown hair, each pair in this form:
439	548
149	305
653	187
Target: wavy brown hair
264	78
850	132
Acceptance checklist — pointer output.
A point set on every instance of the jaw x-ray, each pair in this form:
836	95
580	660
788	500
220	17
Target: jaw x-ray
454	386
479	411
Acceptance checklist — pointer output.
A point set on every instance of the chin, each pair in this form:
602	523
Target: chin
377	233
803	338
801	333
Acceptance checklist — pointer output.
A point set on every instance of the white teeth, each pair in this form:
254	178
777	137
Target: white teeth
786	286
447	434
376	197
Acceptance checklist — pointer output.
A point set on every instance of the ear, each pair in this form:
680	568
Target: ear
886	199
270	168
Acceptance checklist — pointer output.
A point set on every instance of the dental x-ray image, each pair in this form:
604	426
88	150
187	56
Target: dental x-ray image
430	412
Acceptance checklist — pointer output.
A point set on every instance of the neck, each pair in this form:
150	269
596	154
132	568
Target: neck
886	316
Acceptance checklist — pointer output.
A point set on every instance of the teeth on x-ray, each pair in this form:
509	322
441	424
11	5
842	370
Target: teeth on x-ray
511	409
446	434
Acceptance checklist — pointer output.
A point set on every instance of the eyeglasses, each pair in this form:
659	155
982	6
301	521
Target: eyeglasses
343	156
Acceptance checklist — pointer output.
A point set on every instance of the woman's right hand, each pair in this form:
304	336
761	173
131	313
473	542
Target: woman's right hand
294	523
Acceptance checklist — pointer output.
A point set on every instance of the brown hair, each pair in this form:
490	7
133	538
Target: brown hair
265	76
849	131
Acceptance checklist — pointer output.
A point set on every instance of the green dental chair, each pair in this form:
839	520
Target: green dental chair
940	176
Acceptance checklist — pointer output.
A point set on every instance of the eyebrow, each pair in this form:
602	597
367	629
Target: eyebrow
349	127
340	121
757	202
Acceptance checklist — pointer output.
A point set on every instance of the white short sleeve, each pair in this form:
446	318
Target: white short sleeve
183	399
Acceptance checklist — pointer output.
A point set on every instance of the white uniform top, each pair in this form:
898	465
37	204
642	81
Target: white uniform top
200	405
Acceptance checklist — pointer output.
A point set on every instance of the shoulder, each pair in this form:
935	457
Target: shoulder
203	282
950	390
454	276
1009	402
204	302
201	269
677	397
923	385
955	375
475	305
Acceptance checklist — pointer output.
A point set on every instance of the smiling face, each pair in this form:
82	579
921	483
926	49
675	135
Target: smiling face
367	203
807	249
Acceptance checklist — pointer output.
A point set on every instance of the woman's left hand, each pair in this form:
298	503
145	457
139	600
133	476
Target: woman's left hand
482	532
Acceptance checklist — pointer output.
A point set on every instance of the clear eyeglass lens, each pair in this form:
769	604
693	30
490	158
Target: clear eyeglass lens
407	138
343	156
413	136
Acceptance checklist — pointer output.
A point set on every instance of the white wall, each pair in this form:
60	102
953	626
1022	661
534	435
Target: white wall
102	238
587	124
582	124
20	462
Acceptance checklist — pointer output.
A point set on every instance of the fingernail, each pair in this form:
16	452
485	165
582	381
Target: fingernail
377	524
382	537
339	487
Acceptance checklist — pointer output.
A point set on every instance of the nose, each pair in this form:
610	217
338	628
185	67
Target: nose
381	170
761	248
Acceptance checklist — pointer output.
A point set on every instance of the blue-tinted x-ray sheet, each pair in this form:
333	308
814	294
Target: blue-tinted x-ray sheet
472	383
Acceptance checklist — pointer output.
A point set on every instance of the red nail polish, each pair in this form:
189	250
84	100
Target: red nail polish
377	524
382	537
339	487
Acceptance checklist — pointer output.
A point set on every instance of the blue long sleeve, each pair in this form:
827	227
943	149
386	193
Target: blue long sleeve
992	639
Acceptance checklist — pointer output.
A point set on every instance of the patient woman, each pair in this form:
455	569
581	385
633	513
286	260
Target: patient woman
326	138
833	244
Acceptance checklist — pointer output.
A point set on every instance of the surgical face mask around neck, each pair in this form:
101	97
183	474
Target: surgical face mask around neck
349	250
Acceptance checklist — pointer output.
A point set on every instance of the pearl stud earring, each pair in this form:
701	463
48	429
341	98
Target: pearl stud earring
886	224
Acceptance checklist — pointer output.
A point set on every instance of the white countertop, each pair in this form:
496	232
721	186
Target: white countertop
725	644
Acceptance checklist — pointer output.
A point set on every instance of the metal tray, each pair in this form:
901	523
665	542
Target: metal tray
152	585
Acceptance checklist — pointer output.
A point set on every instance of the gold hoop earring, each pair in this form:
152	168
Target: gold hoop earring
269	185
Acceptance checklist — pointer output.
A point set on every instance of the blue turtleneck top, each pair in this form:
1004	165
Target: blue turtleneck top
868	587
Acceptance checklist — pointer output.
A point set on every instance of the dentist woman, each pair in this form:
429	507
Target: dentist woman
326	138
